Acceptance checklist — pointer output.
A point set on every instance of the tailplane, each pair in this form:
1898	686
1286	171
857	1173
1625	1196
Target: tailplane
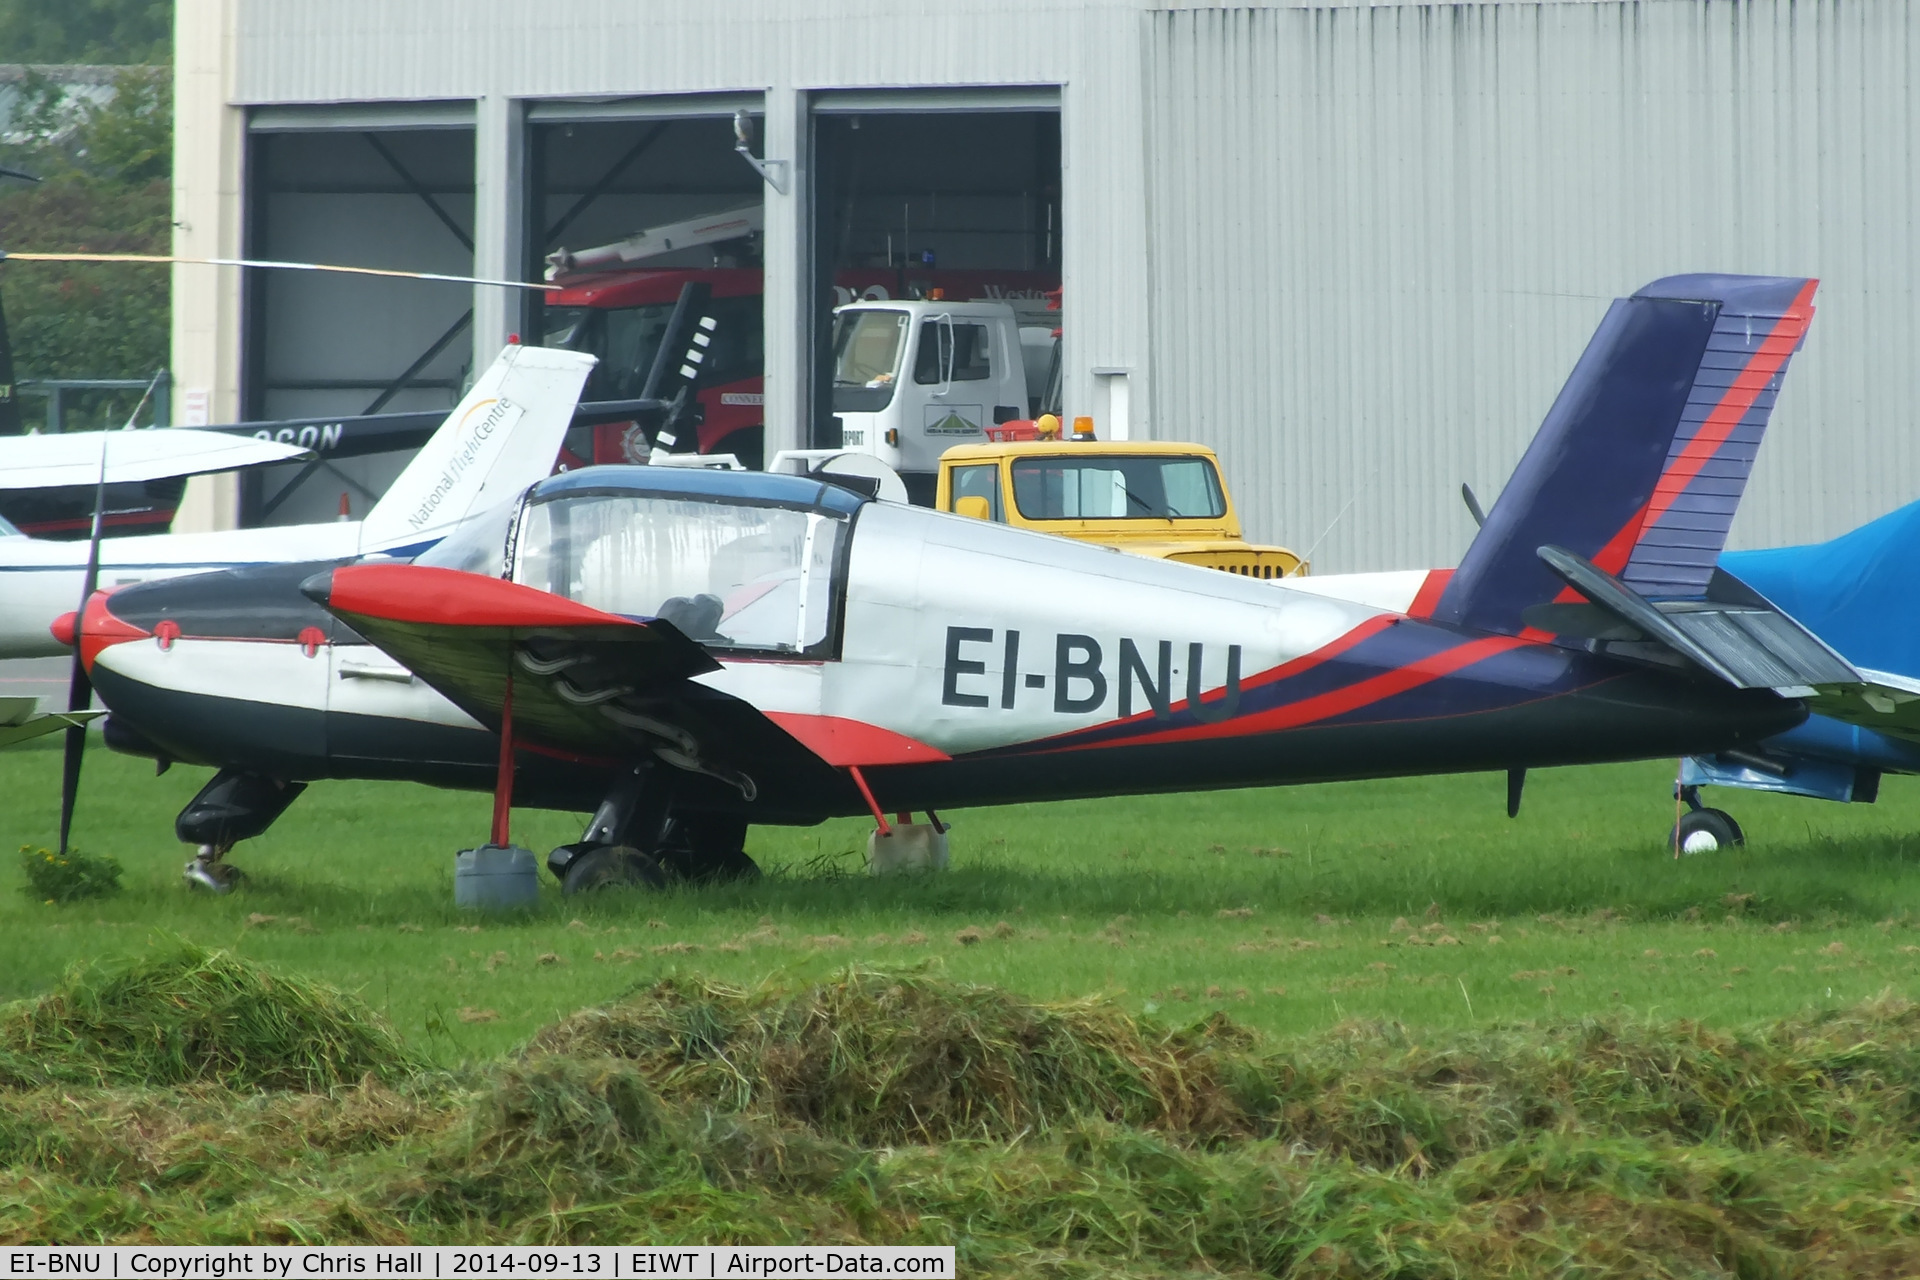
501	438
1642	460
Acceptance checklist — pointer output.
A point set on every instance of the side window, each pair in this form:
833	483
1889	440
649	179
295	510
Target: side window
979	482
966	344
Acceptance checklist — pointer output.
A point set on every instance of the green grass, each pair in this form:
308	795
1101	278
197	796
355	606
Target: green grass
1122	897
1372	1029
1043	1139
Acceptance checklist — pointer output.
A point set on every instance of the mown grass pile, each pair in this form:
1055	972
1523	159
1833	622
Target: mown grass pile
1040	1138
184	1015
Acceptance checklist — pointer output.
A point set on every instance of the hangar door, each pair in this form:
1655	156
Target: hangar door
387	187
598	174
951	190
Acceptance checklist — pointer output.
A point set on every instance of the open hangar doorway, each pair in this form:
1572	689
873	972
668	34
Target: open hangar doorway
601	173
949	191
391	188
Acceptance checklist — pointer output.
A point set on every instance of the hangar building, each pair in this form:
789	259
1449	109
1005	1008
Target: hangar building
1354	247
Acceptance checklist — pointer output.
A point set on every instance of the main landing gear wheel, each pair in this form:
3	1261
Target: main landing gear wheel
207	871
703	848
1707	831
611	866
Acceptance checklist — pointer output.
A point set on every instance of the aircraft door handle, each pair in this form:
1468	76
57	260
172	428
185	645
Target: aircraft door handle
366	671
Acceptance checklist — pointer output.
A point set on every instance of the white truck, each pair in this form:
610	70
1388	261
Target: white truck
911	379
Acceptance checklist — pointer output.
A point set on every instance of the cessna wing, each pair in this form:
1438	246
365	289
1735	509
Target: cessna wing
132	457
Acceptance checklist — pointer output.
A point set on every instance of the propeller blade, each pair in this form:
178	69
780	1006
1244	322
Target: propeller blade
1473	506
79	685
7	256
80	692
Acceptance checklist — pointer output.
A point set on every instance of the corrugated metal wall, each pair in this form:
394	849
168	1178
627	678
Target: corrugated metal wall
1381	237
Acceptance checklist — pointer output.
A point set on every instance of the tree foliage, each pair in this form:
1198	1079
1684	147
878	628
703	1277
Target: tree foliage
106	189
94	31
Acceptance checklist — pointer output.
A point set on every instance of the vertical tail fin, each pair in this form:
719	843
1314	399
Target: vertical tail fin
501	438
1641	462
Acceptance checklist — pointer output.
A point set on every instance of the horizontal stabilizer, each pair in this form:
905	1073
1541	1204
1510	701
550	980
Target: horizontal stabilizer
1732	633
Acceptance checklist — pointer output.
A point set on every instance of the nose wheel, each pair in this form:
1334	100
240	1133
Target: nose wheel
208	870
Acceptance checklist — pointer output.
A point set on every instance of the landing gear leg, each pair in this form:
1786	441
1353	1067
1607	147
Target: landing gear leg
232	807
208	870
621	842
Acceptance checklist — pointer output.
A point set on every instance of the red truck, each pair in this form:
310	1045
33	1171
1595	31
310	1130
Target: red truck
619	314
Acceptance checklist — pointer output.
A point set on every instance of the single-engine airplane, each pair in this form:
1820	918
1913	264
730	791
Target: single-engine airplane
696	651
500	438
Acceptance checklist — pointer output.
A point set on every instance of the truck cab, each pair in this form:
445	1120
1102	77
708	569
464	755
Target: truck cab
1150	497
911	379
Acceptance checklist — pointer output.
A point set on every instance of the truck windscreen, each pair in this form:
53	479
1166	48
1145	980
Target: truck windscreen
1096	487
866	359
623	339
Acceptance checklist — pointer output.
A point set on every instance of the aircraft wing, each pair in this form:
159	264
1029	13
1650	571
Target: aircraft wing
584	682
20	723
51	462
1879	700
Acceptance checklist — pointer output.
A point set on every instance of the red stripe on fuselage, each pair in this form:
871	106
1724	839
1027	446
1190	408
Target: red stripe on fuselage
1353	697
1428	597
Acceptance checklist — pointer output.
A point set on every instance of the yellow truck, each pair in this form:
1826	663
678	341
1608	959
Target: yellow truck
1150	497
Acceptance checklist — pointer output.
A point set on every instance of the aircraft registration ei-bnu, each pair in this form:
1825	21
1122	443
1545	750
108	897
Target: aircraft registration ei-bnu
697	651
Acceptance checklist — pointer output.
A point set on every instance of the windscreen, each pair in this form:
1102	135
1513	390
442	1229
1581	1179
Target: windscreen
561	326
730	576
866	358
1105	487
479	545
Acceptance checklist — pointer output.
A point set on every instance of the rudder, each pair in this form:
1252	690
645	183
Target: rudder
1642	460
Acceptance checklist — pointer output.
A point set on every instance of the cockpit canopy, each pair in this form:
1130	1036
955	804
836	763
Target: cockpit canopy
740	562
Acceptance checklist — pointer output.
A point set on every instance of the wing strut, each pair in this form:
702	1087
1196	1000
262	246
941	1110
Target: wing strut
860	781
503	782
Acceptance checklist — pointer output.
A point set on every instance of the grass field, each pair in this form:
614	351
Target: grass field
1364	1030
1293	909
